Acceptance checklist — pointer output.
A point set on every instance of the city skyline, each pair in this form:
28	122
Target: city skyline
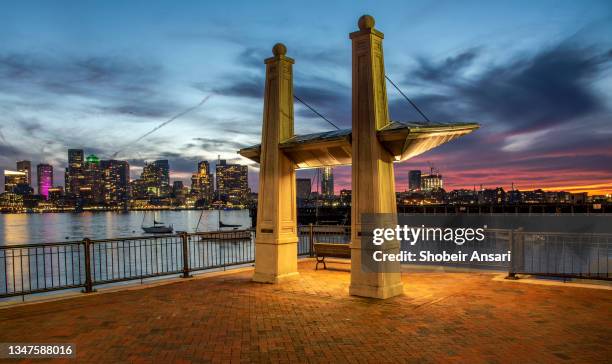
538	80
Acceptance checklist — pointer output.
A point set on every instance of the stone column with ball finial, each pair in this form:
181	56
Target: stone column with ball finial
276	237
373	180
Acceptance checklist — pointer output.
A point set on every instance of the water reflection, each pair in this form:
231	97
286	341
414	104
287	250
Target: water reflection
60	227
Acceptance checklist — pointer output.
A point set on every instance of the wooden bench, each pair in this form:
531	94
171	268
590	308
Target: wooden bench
323	250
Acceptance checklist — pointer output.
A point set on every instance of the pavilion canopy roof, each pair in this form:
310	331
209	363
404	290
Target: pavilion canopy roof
333	148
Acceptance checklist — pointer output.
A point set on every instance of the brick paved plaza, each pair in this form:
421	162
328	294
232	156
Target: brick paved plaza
443	317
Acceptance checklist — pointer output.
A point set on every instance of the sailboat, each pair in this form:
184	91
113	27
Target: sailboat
157	228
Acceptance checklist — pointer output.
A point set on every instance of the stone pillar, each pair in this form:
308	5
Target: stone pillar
372	166
276	241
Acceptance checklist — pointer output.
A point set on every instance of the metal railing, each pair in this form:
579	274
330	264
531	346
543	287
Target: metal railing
36	268
565	255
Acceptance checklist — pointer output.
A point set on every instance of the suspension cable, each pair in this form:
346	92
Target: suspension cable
410	101
315	111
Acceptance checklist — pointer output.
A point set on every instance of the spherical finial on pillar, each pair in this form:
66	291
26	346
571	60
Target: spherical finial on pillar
366	22
279	49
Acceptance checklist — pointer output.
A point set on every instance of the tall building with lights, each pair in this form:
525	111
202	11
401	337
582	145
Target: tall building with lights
414	180
116	182
44	177
164	169
431	182
232	182
327	181
303	188
90	187
202	182
26	167
74	172
151	182
13	179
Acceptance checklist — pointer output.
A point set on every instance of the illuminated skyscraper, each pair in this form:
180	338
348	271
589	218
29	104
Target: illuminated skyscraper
150	183
90	186
327	181
232	182
414	180
116	181
164	182
74	173
44	176
26	167
202	182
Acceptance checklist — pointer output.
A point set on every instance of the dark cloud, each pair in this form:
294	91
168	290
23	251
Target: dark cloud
550	88
215	145
10	152
116	84
243	86
328	97
441	71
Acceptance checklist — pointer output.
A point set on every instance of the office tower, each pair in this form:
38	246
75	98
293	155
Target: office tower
202	182
303	188
116	181
431	182
13	179
164	169
151	180
44	177
90	186
26	167
327	182
414	180
232	182
74	173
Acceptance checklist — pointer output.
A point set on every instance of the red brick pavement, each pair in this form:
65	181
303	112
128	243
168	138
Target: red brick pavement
443	317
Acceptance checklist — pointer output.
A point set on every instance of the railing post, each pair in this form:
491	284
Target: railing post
185	243
88	277
517	249
311	240
511	247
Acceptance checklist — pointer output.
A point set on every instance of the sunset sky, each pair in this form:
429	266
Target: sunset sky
97	75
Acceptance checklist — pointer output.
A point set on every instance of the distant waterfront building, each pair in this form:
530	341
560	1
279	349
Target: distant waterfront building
151	181
202	182
345	197
536	196
232	182
414	180
303	188
44	177
13	179
327	182
26	166
463	197
431	182
164	182
492	196
579	198
115	182
74	172
515	196
91	185
56	195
